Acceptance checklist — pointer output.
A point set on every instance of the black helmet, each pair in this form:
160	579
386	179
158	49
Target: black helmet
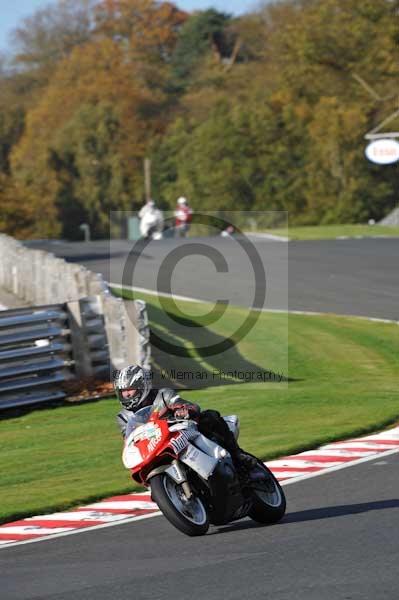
133	377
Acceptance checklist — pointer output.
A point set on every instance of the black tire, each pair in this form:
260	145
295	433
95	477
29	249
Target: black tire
159	493
264	511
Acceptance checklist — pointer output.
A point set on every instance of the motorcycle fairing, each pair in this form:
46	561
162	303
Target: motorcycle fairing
198	461
143	443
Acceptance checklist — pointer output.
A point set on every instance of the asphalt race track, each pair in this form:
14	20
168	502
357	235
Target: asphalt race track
358	277
338	542
339	538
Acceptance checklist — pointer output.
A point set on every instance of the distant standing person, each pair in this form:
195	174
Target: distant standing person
151	221
184	215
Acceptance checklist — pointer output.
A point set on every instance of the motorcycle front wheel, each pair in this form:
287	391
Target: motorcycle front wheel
189	516
269	502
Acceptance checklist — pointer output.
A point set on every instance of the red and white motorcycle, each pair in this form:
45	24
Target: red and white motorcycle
192	479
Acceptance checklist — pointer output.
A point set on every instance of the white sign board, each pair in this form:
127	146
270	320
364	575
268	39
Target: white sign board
383	151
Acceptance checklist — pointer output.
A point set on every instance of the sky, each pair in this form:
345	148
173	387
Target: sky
12	12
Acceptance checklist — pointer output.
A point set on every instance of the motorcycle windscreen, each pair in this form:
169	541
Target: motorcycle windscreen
138	418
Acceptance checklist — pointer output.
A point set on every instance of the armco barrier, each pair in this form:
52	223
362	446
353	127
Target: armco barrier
41	279
43	347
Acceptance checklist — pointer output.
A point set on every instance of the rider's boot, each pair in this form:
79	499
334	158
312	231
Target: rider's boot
243	462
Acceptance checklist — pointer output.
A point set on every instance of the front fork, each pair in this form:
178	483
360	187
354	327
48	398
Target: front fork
178	473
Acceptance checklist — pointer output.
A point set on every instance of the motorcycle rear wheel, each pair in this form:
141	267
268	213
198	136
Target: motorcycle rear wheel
190	517
269	504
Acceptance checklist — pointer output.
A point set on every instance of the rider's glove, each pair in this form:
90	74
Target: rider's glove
182	413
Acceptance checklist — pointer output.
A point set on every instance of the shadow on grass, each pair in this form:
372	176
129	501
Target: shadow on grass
183	344
192	340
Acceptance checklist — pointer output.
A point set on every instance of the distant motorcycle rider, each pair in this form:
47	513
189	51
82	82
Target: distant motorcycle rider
133	386
183	217
151	221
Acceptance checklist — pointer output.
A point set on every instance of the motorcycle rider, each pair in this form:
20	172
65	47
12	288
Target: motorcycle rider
183	217
151	221
133	386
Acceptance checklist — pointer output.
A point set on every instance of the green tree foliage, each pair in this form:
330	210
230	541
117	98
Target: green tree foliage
148	30
252	159
290	133
64	152
201	33
263	112
91	169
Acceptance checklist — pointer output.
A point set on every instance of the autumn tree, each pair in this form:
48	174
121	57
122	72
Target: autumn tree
266	111
51	33
148	29
11	120
339	59
295	111
64	133
341	185
17	214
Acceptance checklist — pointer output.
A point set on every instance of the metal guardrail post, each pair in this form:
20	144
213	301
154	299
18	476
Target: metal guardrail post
143	332
79	340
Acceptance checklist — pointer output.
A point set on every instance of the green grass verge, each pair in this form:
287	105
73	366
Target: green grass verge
345	373
329	232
